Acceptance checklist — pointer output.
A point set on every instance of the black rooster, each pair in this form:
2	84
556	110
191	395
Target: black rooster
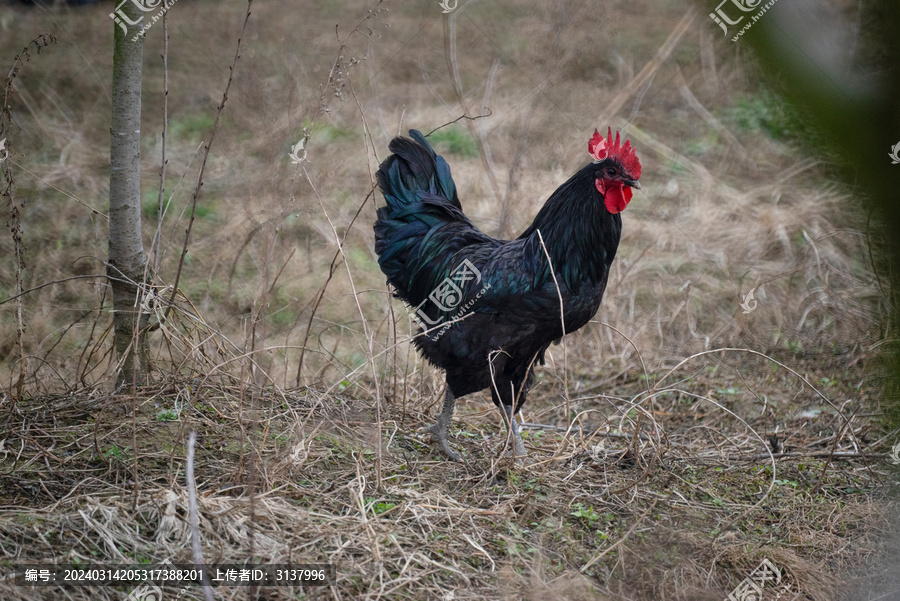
491	308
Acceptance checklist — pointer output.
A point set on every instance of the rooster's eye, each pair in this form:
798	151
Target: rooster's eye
611	172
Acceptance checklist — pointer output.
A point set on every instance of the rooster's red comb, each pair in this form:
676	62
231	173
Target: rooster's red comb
602	149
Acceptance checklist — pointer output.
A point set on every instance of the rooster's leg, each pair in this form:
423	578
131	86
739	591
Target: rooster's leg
440	429
518	449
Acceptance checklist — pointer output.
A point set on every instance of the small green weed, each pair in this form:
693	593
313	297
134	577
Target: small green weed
456	141
166	415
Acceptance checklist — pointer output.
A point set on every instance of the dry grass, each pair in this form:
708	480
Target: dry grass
714	220
682	512
638	486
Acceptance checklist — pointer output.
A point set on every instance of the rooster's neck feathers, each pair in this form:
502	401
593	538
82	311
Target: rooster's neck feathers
580	235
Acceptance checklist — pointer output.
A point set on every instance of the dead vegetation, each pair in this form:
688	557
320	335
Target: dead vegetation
676	493
659	468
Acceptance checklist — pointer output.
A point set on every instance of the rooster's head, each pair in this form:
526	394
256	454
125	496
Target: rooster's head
617	170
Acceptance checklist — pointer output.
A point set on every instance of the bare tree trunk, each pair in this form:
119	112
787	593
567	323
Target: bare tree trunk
127	261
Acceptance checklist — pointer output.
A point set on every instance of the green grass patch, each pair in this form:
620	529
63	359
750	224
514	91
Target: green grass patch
455	140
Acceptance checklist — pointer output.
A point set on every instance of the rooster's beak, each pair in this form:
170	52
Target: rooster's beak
633	183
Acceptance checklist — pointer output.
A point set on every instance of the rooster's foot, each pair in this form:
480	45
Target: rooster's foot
438	433
518	448
519	453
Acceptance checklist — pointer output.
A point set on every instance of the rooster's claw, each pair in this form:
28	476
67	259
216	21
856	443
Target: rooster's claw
439	435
